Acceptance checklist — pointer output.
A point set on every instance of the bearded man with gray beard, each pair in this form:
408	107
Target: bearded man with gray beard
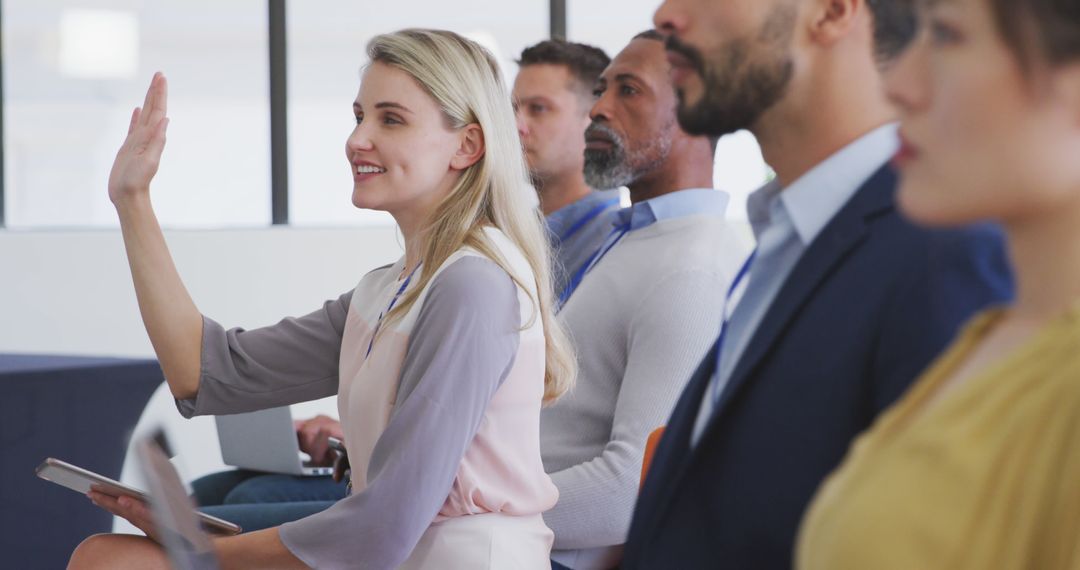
642	311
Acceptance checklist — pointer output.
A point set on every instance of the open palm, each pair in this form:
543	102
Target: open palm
138	159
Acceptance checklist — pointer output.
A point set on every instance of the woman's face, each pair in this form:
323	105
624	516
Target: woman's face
980	139
402	154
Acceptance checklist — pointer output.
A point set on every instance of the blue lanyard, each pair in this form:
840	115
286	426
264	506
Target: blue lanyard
595	258
378	324
590	216
731	291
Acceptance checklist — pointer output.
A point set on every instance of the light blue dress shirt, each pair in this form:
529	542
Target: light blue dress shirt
575	235
692	201
785	221
689	202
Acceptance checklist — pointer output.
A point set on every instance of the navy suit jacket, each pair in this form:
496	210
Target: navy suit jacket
869	304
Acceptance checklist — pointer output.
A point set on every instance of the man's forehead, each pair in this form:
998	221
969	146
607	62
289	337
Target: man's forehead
642	57
542	79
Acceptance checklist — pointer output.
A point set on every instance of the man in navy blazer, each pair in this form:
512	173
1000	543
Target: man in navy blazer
842	305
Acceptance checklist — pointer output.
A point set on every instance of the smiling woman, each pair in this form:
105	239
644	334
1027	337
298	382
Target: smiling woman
402	145
441	360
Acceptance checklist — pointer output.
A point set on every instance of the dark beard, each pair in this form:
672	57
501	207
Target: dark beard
742	80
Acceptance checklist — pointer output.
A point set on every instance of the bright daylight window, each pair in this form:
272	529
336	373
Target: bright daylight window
326	50
73	71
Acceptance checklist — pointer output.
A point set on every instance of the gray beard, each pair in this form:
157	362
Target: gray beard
607	169
618	166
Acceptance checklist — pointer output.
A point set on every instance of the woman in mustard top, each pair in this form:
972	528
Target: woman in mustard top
978	466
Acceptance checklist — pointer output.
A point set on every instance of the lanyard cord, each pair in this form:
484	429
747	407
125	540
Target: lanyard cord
588	217
378	324
594	259
743	272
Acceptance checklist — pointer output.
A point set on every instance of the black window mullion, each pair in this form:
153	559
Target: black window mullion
558	19
279	155
2	137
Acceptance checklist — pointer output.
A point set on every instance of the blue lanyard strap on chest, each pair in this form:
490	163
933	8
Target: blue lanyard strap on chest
378	324
588	217
743	272
575	279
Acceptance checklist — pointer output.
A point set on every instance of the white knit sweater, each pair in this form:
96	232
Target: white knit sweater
641	320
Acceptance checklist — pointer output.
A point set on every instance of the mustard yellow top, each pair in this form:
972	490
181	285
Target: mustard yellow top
987	478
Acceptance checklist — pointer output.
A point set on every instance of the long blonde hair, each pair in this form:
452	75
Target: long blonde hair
464	79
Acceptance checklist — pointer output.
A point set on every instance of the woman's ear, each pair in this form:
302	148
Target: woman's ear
471	148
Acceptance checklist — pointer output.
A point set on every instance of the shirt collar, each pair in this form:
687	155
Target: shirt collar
812	200
558	220
693	201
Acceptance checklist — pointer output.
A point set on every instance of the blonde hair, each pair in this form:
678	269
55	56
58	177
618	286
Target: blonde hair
464	80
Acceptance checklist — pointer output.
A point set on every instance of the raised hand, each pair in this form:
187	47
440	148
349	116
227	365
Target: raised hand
138	159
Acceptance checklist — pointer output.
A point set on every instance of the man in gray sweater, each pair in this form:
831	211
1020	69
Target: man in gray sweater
552	97
643	311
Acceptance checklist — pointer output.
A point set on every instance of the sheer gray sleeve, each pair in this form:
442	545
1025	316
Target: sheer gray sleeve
292	361
462	347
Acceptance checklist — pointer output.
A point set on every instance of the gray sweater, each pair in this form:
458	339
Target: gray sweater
641	320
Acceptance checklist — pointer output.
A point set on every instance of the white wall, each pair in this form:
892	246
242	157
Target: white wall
70	292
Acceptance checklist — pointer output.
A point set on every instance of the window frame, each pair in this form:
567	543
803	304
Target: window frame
278	93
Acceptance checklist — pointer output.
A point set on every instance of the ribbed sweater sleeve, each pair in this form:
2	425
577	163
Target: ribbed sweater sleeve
670	332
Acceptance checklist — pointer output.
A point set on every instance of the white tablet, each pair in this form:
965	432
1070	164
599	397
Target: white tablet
82	481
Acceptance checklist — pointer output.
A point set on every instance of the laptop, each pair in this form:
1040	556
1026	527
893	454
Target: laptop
186	545
264	441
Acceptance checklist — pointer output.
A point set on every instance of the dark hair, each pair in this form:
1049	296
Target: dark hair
1040	29
585	62
895	25
650	35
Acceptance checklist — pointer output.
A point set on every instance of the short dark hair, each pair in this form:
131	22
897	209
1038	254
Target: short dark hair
895	25
650	35
585	62
1040	29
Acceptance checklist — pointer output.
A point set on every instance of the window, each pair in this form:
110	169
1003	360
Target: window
326	42
73	71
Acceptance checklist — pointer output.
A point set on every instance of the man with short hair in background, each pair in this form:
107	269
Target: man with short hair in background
552	96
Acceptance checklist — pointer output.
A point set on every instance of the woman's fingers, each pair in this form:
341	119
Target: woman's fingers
154	103
152	113
156	145
131	509
134	120
138	159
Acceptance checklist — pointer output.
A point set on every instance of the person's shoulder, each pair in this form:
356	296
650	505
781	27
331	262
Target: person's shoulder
472	279
378	272
695	240
375	280
921	244
468	270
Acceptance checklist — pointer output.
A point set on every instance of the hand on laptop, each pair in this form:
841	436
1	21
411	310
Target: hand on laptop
312	435
134	510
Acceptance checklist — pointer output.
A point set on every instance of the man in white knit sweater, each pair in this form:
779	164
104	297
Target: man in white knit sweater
646	309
